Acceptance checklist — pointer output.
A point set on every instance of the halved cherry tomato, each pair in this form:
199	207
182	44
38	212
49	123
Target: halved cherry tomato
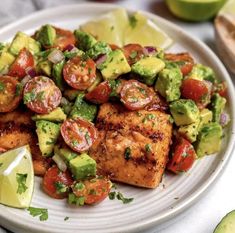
184	60
63	39
183	156
23	61
114	47
221	89
133	52
196	90
10	93
80	73
100	94
136	95
78	134
94	190
57	183
41	95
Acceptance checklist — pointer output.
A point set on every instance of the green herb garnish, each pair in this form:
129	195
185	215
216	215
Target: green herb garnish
19	88
2	86
21	180
124	199
112	195
133	54
127	153
133	21
66	218
42	213
60	187
148	148
29	97
73	199
79	186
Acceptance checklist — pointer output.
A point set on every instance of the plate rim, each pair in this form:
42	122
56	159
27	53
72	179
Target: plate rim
208	183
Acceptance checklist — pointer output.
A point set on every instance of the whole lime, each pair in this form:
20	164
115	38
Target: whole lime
195	10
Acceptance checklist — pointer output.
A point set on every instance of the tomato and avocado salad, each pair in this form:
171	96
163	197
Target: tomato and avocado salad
63	78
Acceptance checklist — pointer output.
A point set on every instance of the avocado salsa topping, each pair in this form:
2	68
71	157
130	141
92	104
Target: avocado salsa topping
75	88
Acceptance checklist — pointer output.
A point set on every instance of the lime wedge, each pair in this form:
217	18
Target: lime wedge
228	8
109	27
16	177
145	32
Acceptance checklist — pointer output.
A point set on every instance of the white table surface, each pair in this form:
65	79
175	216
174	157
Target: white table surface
207	212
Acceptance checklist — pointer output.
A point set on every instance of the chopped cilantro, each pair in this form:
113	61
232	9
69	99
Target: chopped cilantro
41	95
124	199
50	142
73	199
133	54
2	86
19	88
66	218
29	97
42	213
60	187
133	21
79	186
148	117
148	148
127	153
112	195
21	180
92	192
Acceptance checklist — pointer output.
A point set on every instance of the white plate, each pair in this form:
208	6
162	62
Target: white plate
150	207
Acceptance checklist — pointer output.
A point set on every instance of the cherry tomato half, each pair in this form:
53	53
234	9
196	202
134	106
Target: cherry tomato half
136	95
133	52
57	183
10	93
78	134
94	190
183	156
23	61
41	95
196	90
80	73
100	94
184	60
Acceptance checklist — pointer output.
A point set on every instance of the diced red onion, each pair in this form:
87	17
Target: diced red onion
56	56
101	58
74	50
224	119
25	79
150	50
60	162
31	72
70	47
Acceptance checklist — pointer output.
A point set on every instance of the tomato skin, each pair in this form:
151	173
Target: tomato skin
196	90
183	156
95	190
44	95
221	89
63	39
52	176
136	95
79	73
133	52
9	98
23	61
78	134
100	94
114	47
185	68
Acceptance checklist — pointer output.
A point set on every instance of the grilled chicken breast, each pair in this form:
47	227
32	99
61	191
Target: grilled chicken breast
17	129
132	146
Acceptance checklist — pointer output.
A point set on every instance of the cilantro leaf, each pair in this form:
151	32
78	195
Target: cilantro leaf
2	86
112	195
124	199
42	213
21	180
133	21
66	218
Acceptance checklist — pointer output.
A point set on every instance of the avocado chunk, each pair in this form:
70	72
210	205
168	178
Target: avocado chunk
6	59
115	65
190	131
168	83
84	40
44	68
83	109
202	72
217	106
99	48
184	112
65	153
205	117
57	115
148	68
209	139
227	224
46	35
57	74
83	167
47	132
20	41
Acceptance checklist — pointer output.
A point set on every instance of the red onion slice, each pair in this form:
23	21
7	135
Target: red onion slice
224	119
150	50
101	58
70	47
56	56
31	72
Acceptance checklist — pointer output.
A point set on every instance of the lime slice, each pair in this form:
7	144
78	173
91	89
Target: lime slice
228	8
145	32
109	27
195	10
16	177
